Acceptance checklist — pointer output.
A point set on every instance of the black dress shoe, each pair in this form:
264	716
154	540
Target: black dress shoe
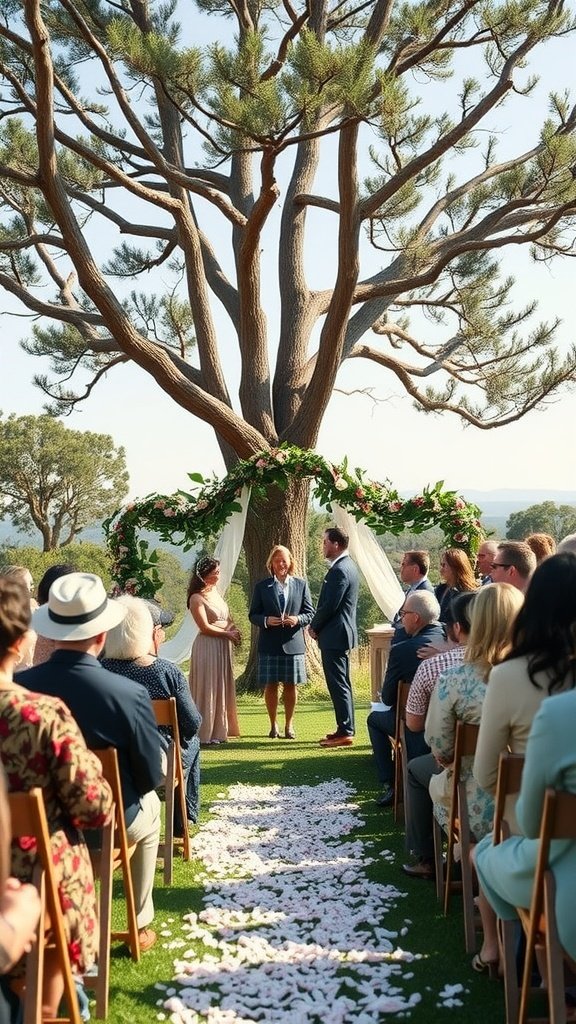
386	797
421	869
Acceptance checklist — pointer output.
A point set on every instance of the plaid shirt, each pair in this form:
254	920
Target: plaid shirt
426	675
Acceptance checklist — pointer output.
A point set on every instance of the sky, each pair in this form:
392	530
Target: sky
380	432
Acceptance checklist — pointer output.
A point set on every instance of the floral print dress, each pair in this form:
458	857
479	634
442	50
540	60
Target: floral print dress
458	695
41	745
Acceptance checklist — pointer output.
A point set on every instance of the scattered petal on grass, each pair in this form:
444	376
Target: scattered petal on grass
292	928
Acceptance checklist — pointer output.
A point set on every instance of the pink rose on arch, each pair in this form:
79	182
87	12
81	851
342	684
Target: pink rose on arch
418	502
459	503
169	512
280	455
359	492
261	464
159	504
201	505
340	483
460	538
394	506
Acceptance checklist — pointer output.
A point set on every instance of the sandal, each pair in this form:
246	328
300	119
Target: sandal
289	734
273	734
482	966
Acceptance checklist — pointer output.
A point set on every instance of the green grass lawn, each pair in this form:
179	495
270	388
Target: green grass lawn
255	759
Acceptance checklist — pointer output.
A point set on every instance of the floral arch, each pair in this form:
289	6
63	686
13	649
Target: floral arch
185	519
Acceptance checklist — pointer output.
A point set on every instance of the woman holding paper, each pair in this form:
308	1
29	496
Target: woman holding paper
281	608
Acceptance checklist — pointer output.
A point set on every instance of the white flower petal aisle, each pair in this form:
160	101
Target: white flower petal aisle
292	926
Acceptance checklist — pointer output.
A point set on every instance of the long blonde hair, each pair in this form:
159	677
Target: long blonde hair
493	615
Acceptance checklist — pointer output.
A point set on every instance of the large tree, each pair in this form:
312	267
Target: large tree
57	480
127	152
548	517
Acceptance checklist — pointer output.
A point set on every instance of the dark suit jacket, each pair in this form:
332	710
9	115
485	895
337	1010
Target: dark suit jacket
404	660
281	639
112	711
335	618
400	633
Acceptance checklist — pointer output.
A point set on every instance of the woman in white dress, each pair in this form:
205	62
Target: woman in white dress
211	676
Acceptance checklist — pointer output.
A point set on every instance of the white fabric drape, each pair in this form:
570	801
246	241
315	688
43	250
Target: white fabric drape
372	561
228	551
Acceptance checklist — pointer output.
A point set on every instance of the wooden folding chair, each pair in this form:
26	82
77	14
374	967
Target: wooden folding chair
121	854
166	715
29	819
399	748
539	922
458	831
510	767
98	978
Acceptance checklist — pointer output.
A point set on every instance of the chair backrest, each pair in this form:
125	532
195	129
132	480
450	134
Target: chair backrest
28	818
464	746
109	760
166	714
510	768
401	701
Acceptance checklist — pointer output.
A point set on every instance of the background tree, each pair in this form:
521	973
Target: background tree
548	517
127	152
58	480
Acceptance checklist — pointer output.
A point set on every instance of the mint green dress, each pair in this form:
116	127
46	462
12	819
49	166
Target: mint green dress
506	872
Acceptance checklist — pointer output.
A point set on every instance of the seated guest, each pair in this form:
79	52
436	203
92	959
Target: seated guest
458	696
44	647
484	559
514	563
420	618
42	746
414	570
24	576
567	544
457	573
110	711
458	628
19	912
542	544
539	664
132	651
506	871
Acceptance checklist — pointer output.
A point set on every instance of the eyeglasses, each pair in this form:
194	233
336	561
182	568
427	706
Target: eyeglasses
407	611
500	565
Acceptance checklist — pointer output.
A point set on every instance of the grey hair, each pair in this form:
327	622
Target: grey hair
424	604
131	638
568	543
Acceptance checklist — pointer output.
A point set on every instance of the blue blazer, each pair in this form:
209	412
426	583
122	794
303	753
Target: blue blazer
335	618
265	602
404	660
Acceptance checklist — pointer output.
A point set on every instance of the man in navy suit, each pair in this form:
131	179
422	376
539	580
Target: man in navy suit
419	614
111	710
414	570
334	627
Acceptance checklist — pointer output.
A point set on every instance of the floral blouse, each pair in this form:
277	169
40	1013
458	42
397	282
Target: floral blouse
459	695
41	745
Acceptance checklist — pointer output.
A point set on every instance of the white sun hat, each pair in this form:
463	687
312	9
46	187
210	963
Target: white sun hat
77	609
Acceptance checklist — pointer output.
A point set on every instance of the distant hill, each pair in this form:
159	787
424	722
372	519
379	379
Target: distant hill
496	506
9	537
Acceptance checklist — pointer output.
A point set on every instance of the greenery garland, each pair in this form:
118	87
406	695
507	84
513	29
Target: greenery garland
185	519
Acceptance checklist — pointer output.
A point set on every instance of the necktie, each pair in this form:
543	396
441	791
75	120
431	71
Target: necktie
282	600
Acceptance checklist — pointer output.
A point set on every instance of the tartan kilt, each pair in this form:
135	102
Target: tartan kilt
281	668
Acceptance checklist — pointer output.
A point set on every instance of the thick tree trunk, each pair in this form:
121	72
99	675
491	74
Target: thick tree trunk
280	518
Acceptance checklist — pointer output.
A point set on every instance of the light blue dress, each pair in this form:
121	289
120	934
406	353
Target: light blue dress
506	872
458	695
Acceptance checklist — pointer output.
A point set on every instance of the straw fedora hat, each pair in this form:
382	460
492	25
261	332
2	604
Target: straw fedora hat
77	609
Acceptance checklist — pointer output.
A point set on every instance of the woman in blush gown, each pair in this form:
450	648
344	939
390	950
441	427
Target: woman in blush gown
211	676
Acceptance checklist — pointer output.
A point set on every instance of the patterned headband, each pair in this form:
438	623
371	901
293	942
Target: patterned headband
204	565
